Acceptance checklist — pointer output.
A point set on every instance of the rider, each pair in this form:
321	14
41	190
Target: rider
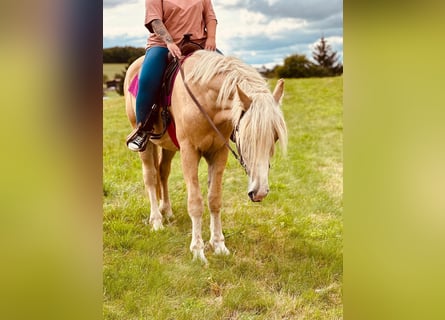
167	22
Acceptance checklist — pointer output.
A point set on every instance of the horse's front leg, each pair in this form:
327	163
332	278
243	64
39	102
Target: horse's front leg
150	173
217	164
190	161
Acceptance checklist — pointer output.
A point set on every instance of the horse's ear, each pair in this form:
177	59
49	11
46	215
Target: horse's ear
244	98
278	91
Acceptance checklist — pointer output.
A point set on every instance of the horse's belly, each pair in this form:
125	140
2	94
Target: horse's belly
165	142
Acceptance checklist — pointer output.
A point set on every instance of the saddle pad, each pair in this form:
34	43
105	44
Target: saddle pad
133	89
134	86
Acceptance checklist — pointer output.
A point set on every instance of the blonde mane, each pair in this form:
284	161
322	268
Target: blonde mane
235	71
263	123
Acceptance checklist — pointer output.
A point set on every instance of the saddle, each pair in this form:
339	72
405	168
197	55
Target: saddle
187	47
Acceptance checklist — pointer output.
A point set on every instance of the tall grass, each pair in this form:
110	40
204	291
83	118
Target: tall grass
286	252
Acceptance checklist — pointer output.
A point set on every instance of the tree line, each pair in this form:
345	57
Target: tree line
299	66
122	54
295	66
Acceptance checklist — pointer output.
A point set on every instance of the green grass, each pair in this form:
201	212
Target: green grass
286	252
111	69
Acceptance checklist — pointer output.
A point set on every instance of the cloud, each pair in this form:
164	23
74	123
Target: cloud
125	19
261	32
261	38
302	9
334	21
115	3
124	40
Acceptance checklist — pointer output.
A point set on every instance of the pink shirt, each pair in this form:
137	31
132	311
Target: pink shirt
179	17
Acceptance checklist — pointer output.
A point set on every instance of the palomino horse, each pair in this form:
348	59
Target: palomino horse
236	99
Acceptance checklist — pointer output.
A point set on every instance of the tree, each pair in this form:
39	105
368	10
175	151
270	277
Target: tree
327	60
295	66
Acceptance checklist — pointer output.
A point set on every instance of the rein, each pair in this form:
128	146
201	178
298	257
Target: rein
204	113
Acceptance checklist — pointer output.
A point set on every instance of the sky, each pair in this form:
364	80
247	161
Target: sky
260	32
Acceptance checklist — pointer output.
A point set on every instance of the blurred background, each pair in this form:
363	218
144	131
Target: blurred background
50	211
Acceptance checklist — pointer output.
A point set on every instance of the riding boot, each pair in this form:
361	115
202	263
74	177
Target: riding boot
138	138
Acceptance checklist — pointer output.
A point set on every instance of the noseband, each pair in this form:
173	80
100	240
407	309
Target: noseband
237	157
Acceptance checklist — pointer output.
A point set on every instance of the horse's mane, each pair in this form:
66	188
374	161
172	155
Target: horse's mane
264	123
235	71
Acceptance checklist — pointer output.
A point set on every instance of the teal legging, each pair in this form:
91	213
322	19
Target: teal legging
150	81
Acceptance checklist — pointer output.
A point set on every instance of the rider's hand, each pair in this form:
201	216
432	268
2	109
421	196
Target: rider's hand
174	50
210	44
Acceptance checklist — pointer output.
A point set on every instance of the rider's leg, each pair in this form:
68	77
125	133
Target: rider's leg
150	81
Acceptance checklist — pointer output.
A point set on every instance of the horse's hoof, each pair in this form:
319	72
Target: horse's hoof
222	251
157	225
198	254
169	215
220	248
166	210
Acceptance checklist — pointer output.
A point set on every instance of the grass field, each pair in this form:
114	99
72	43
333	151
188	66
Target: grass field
111	69
286	252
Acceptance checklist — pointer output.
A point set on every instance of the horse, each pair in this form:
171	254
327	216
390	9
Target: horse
236	98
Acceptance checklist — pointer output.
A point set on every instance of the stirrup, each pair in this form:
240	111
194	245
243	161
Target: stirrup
148	124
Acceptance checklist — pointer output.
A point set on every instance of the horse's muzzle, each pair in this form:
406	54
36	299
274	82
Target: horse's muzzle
258	196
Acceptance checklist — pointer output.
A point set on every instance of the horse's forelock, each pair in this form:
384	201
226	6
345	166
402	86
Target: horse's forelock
262	124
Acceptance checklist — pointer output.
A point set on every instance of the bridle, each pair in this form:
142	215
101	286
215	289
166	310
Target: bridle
238	155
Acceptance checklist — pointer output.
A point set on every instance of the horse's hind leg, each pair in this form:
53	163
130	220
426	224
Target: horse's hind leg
150	173
217	163
164	172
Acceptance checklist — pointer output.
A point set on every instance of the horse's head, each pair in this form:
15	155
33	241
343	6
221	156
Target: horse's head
257	130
